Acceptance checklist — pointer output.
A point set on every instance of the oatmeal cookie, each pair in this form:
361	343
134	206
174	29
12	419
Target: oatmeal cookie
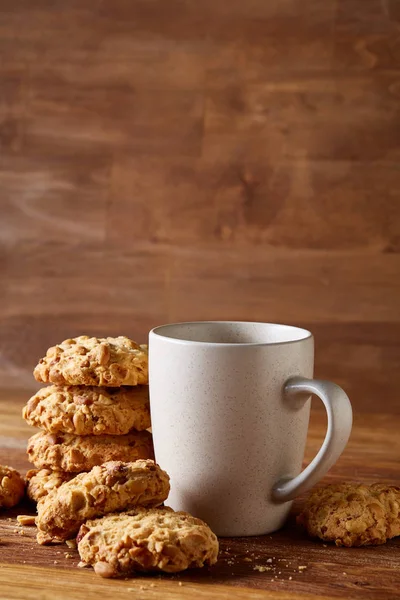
12	487
85	360
352	514
42	482
75	453
110	487
155	539
89	410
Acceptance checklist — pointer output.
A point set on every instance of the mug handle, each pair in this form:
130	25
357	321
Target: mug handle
340	419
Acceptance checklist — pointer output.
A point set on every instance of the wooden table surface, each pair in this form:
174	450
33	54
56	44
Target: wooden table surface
257	567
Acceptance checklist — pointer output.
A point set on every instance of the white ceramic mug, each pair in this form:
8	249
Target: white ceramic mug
230	405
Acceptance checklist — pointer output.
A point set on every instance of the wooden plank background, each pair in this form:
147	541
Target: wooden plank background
177	160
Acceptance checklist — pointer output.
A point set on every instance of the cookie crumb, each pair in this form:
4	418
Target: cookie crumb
301	567
26	520
269	560
344	573
56	562
82	565
261	568
68	555
247	559
180	583
71	543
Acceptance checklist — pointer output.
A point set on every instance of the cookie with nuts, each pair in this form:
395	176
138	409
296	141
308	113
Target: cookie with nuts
89	410
41	482
351	514
75	453
85	360
140	540
113	486
12	487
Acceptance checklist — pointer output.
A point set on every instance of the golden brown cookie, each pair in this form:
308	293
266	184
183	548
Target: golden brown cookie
352	514
89	410
44	481
85	360
155	539
111	487
12	487
75	453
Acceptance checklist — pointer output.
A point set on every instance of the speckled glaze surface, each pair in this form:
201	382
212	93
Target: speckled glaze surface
225	429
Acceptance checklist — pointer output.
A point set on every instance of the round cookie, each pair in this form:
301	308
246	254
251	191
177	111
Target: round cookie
89	410
85	360
156	539
75	453
111	487
41	482
12	487
352	514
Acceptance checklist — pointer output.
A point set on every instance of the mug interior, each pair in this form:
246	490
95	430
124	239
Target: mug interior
232	332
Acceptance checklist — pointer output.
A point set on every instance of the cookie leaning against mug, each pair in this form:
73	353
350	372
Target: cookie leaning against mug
113	486
95	361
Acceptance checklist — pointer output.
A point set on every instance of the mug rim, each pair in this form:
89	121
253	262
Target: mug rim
156	332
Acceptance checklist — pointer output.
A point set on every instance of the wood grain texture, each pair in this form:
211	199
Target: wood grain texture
372	454
87	586
240	200
212	160
323	117
367	35
130	291
116	114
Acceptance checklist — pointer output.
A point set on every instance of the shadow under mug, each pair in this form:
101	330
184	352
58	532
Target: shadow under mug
230	405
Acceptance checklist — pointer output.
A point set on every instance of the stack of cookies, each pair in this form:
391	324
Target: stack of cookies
96	410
